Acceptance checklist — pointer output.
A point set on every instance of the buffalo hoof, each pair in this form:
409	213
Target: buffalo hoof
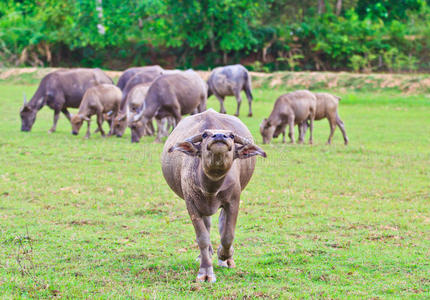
346	142
228	263
206	274
236	115
250	115
51	130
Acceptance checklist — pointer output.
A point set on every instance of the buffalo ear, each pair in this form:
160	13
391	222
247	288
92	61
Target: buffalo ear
249	150
187	148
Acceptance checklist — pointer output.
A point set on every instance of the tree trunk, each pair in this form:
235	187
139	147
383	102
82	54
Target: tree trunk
321	7
99	7
338	7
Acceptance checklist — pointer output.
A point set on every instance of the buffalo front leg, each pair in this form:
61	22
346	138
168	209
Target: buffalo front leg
207	221
227	225
291	129
66	113
87	136
206	272
100	120
56	116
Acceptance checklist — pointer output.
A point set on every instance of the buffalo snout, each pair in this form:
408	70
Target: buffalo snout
74	132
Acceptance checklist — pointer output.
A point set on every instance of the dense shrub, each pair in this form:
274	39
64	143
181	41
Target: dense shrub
383	35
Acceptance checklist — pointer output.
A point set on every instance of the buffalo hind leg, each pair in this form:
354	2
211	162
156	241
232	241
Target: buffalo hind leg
311	130
221	102
339	123
87	136
227	225
332	124
239	101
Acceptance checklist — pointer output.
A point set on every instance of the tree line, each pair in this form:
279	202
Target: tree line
264	35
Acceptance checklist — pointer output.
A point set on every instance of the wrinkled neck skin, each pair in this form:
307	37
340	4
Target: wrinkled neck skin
211	183
212	178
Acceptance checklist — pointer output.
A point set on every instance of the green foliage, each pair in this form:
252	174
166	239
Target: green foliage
281	34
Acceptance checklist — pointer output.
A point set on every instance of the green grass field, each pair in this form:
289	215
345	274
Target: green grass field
95	219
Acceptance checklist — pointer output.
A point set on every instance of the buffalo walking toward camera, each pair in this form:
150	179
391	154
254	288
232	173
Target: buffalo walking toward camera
208	160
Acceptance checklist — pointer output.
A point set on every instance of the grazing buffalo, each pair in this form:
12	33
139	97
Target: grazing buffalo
144	77
129	73
290	109
208	160
134	100
170	95
97	100
230	81
327	105
60	90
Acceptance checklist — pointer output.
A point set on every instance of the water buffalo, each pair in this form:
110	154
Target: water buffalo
60	90
140	78
134	100
97	100
170	95
208	160
230	81
290	109
327	105
129	73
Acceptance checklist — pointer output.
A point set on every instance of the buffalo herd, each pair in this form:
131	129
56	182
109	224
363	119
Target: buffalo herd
208	157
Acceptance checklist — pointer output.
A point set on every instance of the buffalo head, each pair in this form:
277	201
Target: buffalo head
267	130
77	121
28	116
120	124
217	150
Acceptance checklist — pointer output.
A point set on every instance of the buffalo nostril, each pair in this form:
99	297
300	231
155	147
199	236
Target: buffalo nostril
74	133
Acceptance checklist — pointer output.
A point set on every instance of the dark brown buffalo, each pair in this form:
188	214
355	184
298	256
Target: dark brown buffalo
129	73
208	160
60	90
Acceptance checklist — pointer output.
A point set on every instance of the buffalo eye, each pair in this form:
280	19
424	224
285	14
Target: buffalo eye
232	136
204	135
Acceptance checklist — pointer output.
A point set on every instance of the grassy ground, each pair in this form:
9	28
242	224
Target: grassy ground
95	219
